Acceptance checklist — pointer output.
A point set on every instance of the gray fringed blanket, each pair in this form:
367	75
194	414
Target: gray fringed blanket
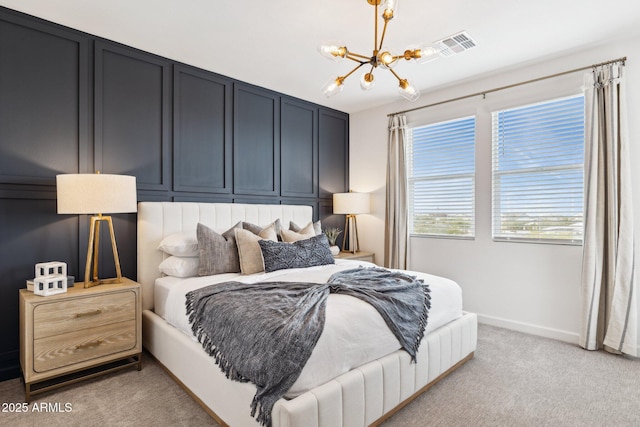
265	332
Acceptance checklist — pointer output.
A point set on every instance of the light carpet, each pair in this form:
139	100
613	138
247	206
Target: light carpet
514	379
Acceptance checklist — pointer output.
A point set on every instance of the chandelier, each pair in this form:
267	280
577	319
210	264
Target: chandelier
380	57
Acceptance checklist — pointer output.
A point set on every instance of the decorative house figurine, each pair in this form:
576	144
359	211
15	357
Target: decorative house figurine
51	278
51	268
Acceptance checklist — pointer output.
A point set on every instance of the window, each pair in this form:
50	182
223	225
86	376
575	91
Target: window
538	161
441	175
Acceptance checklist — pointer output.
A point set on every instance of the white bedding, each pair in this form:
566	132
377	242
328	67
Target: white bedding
354	331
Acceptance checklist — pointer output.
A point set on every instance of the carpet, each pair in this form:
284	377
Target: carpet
515	379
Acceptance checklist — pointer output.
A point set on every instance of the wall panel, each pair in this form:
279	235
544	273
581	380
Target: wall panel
39	138
334	152
202	131
299	149
256	141
132	120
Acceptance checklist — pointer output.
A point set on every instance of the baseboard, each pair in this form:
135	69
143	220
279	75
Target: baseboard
529	328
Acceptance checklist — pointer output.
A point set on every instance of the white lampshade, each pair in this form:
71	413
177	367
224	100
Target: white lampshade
351	203
96	193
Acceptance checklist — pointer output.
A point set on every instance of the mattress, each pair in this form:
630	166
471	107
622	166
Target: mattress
345	342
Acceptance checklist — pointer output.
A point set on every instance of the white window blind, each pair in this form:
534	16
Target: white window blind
441	175
538	163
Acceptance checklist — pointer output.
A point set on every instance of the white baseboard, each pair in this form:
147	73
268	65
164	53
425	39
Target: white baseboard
557	334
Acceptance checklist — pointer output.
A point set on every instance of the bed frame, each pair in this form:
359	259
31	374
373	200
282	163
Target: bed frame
363	396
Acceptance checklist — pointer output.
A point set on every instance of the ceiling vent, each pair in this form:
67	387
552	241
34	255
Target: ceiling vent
455	44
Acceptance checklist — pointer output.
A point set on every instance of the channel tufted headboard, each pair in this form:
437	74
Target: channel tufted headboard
156	220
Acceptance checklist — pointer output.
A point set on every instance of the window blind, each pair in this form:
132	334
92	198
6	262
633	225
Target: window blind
538	163
441	178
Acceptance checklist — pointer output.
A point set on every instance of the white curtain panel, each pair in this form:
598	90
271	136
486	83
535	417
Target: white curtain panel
608	290
396	212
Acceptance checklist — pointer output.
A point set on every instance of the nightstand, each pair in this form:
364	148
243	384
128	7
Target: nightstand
360	255
79	334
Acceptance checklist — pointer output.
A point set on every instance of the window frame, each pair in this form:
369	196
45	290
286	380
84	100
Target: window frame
535	169
411	180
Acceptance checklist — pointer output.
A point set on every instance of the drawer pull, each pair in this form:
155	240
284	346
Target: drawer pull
89	344
88	313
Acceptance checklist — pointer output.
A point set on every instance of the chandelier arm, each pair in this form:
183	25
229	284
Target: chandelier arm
384	31
396	75
353	71
356	55
359	61
375	30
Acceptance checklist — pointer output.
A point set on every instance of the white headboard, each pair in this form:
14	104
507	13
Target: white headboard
156	220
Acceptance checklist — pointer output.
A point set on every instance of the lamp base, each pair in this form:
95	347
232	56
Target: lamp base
351	224
110	281
92	253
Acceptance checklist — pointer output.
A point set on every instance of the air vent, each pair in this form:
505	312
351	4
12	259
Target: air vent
455	44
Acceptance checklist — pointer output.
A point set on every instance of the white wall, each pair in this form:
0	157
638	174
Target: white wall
528	287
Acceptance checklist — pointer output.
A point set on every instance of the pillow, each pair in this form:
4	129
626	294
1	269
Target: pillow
218	252
290	236
180	244
317	227
304	253
249	250
179	266
256	229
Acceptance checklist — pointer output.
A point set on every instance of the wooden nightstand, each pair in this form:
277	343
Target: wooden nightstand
79	334
364	256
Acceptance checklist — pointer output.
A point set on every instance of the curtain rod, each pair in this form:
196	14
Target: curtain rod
613	61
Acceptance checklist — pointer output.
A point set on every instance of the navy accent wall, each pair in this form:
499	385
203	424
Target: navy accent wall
71	102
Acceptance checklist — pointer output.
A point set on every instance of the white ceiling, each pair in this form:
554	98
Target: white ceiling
273	43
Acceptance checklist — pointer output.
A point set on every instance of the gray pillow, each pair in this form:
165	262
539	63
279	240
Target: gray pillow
300	254
218	252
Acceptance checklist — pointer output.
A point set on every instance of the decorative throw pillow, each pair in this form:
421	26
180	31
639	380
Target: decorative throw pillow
249	250
180	244
291	236
218	252
256	229
304	253
180	266
317	227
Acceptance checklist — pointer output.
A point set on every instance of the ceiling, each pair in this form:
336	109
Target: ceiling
274	43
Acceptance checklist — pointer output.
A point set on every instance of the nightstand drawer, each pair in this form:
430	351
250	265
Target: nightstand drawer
74	347
59	317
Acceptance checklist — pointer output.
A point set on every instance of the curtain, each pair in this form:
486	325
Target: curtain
608	289
396	216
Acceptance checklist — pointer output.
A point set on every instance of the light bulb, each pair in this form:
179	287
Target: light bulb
425	53
334	50
389	9
367	81
407	91
333	86
385	59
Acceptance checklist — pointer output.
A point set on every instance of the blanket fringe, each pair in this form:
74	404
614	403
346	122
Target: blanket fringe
424	318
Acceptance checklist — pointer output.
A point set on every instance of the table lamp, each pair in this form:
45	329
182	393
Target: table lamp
97	194
351	204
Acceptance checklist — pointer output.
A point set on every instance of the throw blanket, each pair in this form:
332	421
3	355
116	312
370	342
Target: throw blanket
265	332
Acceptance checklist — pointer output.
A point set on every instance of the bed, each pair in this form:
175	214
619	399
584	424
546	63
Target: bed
364	395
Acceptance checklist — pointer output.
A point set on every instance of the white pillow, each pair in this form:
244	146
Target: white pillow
180	244
317	227
178	266
289	236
